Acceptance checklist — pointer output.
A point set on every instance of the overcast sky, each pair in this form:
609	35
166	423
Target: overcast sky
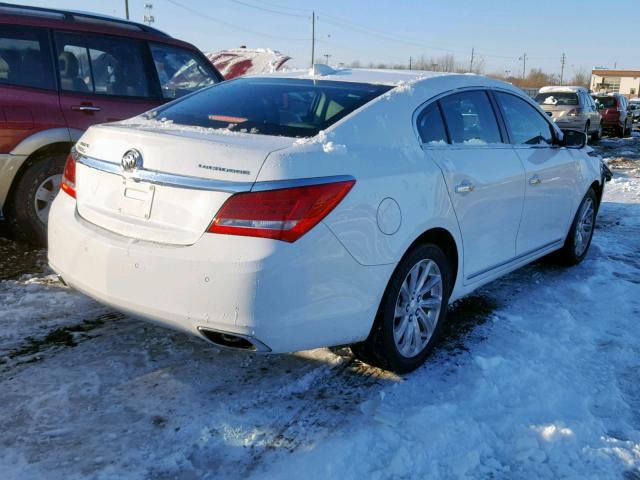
391	31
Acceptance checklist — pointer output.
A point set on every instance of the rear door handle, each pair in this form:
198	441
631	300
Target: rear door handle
535	180
85	108
465	187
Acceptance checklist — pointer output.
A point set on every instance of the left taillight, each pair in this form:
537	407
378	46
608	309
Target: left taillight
68	183
283	214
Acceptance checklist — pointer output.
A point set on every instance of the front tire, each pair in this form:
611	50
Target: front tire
28	208
597	135
579	237
411	312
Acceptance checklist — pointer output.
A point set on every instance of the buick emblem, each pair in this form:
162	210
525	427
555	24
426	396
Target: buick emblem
131	160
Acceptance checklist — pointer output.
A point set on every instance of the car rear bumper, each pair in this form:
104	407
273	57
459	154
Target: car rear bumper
610	123
285	296
570	123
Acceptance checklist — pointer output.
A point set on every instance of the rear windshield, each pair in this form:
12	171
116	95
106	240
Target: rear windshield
557	98
606	102
270	106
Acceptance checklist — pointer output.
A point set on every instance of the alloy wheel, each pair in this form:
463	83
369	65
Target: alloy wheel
45	194
417	308
584	227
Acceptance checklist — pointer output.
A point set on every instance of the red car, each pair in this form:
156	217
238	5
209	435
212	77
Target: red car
617	118
61	72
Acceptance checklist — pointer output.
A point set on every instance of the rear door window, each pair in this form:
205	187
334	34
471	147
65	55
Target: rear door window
526	126
102	64
431	126
180	71
470	118
25	57
270	106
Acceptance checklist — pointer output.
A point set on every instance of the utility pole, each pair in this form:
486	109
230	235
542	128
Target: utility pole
563	60
126	9
410	63
326	57
524	64
473	51
313	37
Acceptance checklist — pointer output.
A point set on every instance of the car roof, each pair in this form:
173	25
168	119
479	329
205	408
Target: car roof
78	20
362	75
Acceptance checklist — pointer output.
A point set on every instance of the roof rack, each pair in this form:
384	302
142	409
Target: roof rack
76	16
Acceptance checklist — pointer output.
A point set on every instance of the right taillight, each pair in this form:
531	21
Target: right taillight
68	183
283	214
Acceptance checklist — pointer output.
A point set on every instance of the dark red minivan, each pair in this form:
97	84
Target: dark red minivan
61	72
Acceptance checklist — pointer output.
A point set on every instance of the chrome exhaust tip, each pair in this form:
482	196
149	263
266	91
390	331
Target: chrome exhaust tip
233	340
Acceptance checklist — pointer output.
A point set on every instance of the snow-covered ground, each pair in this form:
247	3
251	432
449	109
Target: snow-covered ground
538	376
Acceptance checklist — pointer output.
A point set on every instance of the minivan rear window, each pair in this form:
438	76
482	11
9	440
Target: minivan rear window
270	106
607	102
557	98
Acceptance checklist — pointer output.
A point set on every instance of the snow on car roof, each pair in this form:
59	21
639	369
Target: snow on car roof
561	89
360	75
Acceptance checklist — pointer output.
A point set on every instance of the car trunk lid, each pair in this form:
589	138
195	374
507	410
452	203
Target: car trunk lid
185	176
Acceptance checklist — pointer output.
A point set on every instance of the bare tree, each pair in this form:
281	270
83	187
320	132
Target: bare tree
581	78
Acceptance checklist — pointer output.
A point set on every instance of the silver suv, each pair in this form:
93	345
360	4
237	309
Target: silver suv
571	107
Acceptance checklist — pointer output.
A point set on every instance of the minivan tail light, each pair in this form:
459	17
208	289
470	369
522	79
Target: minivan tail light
68	183
283	214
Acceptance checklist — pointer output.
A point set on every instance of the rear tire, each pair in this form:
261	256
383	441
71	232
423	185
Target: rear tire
576	245
27	208
411	313
620	131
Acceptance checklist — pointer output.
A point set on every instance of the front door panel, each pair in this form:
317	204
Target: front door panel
551	187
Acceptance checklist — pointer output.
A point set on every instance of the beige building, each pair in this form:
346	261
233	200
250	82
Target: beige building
626	82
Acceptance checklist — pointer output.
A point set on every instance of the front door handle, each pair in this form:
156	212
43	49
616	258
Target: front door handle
465	187
85	108
535	180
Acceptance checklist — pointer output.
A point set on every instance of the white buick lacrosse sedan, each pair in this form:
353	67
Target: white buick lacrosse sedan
298	210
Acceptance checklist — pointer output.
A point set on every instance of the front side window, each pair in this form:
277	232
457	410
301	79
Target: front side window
25	59
270	106
180	71
525	124
431	126
101	64
470	118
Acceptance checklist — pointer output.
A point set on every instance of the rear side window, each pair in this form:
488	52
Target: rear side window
271	106
525	124
102	64
25	57
470	118
431	126
180	71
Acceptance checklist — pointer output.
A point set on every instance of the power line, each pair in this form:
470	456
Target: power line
264	9
231	25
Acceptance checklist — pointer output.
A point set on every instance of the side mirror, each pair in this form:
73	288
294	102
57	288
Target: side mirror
573	139
600	106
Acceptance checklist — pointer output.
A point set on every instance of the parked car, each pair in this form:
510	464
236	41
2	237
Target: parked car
282	212
634	108
571	107
616	116
61	72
